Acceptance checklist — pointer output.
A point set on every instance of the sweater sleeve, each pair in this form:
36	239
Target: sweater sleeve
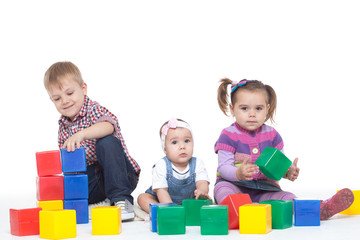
226	166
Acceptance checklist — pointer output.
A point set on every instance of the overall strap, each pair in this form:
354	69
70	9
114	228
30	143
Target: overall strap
168	167
192	165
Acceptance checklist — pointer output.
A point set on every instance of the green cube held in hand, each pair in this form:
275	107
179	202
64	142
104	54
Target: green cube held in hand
273	163
171	220
192	210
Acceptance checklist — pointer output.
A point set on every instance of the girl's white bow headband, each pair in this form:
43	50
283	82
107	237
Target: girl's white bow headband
172	123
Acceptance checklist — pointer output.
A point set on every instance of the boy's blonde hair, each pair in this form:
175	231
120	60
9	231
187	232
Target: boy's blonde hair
59	70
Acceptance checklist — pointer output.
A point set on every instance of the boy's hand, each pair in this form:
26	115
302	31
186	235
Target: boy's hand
73	142
246	170
293	173
200	194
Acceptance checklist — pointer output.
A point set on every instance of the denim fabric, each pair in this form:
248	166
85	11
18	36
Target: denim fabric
179	189
256	185
113	176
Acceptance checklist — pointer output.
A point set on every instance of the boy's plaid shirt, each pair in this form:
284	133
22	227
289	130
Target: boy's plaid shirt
91	113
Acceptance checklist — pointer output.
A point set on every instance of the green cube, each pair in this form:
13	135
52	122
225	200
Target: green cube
214	220
171	220
273	163
192	210
281	213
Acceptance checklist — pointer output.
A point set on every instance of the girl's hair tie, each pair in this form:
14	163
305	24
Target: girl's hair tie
238	84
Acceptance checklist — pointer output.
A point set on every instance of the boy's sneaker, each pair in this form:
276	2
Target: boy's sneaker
105	203
127	210
338	203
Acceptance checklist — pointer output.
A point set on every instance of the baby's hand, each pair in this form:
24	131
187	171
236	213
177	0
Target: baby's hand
293	173
73	141
246	170
201	195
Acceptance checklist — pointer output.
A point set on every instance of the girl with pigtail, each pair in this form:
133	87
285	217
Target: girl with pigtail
252	103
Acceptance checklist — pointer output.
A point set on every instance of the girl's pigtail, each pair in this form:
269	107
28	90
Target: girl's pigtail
223	96
272	101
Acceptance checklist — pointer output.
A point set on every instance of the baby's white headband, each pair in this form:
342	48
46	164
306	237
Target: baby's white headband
173	123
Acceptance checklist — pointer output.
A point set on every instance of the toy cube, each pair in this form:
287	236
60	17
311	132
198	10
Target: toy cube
106	220
171	220
73	162
153	214
234	201
214	220
281	213
354	209
192	210
50	188
57	224
255	218
307	212
48	163
76	186
81	207
24	222
273	163
50	205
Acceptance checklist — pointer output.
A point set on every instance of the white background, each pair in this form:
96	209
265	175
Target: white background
148	61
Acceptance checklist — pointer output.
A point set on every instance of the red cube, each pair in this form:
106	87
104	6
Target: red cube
50	188
48	163
234	201
24	222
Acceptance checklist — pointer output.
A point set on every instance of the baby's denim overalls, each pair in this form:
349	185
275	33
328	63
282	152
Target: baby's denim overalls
179	189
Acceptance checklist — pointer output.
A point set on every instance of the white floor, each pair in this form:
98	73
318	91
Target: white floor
339	227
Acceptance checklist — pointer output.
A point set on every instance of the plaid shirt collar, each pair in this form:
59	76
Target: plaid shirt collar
83	110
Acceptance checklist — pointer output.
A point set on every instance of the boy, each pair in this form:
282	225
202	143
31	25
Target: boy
112	173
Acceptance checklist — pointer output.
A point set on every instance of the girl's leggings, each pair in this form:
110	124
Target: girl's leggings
223	189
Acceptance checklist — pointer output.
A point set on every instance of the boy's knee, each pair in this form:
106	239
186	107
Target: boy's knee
107	142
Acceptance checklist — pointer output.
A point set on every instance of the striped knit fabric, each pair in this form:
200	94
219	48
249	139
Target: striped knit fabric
248	144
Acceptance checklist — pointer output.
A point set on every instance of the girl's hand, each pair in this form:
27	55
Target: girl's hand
246	170
293	173
73	142
200	194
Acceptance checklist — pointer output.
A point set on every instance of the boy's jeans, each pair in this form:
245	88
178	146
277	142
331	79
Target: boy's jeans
113	176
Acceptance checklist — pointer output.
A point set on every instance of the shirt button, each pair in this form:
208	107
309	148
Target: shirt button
255	151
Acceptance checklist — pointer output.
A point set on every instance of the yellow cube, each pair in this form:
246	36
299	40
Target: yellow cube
354	209
106	220
57	224
255	218
50	205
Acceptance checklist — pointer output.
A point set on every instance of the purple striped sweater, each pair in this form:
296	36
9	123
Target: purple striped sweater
240	144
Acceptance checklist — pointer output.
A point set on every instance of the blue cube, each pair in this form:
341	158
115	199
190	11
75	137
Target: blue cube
76	186
81	207
307	212
73	162
153	214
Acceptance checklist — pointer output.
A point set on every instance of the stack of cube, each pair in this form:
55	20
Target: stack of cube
76	191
